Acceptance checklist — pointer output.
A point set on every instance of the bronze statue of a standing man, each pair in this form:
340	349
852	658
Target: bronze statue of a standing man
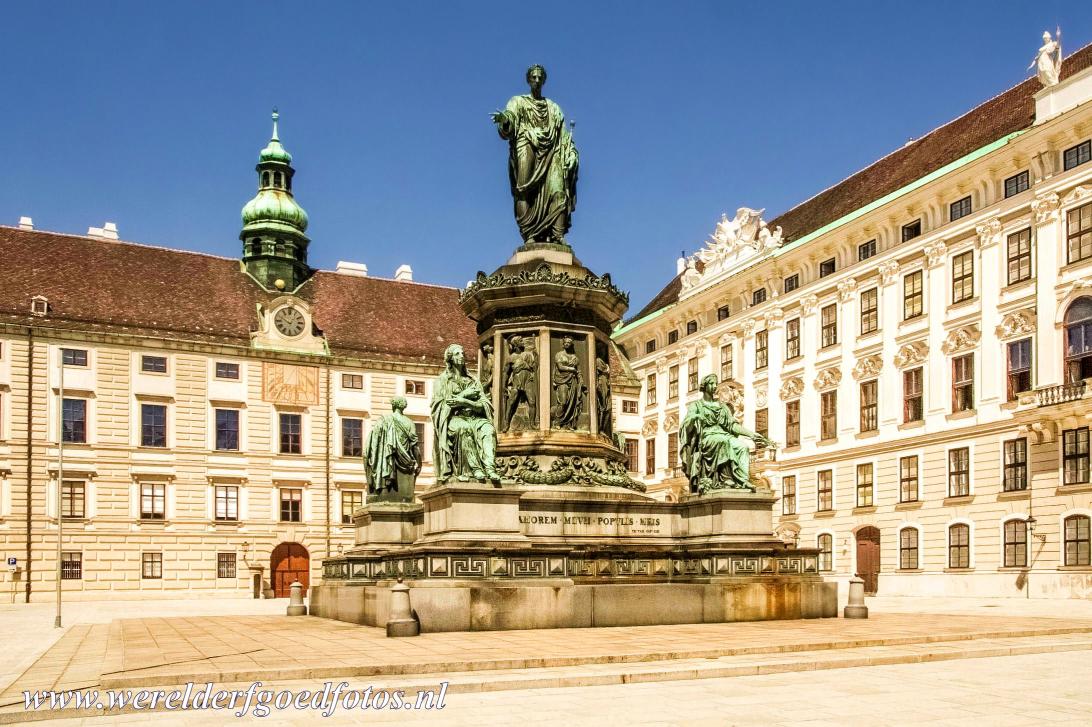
542	162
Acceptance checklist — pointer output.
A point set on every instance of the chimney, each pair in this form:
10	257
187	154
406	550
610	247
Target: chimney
403	273
109	231
360	270
25	223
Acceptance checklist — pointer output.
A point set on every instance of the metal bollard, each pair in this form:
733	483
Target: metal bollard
401	621
855	608
295	600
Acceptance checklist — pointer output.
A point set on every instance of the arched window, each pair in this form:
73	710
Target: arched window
1078	340
265	179
959	546
826	552
908	549
1077	540
276	179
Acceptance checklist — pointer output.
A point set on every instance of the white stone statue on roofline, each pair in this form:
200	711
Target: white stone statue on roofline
1048	61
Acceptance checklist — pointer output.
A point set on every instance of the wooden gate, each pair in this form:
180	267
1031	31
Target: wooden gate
868	558
290	562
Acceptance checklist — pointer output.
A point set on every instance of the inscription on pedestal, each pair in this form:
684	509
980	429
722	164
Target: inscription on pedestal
595	524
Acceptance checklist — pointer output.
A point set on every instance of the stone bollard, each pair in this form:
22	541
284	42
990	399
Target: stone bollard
855	608
295	601
401	621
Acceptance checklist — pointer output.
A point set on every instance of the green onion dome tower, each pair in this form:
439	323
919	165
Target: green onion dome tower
274	224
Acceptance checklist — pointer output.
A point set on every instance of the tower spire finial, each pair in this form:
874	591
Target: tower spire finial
275	117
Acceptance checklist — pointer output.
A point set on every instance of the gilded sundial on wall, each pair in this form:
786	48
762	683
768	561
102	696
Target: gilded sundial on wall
289	321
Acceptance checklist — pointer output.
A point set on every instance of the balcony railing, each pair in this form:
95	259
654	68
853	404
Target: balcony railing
1050	395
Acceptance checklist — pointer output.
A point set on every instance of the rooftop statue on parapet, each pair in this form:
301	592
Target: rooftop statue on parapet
1048	61
392	457
542	162
713	451
465	442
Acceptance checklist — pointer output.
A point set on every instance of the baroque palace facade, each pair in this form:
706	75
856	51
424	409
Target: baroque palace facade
211	411
918	339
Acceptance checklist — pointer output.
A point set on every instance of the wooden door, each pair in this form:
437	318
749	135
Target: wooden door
868	558
290	562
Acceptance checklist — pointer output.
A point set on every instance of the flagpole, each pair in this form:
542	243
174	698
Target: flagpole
60	489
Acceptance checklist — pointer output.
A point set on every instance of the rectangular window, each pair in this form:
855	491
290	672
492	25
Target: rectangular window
291	433
866	250
151	565
870	408
1019	256
758	296
726	362
762	350
74	420
788	495
762	422
792	423
959	208
911	230
631	455
792	339
864	485
1016	465
629	406
827	267
913	297
908	478
650	346
352	437
1078	540
350	501
908	549
673	382
225	565
870	311
828	408
959	472
650	390
153	498
692	375
673	452
825	542
791	283
1077	155
825	489
352	381
1019	362
1016	544
153	425
1075	457
959	546
963	383
227	429
71	566
225	370
672	337
415	387
723	312
963	277
227	503
829	332
291	505
1016	184
650	457
913	398
153	364
72	499
1079	233
691	327
74	356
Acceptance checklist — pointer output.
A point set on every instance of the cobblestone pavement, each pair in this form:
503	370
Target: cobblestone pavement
1049	689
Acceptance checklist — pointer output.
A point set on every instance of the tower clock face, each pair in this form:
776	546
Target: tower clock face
289	321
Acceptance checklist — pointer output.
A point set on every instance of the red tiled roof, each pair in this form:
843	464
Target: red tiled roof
1009	112
111	286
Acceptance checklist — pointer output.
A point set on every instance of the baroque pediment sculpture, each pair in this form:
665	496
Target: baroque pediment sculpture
743	236
867	366
828	378
961	339
648	429
792	388
671	422
1017	323
911	353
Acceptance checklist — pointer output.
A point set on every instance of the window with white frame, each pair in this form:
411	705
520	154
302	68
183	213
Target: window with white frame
908	549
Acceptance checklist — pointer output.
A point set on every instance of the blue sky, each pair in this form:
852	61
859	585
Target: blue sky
152	114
